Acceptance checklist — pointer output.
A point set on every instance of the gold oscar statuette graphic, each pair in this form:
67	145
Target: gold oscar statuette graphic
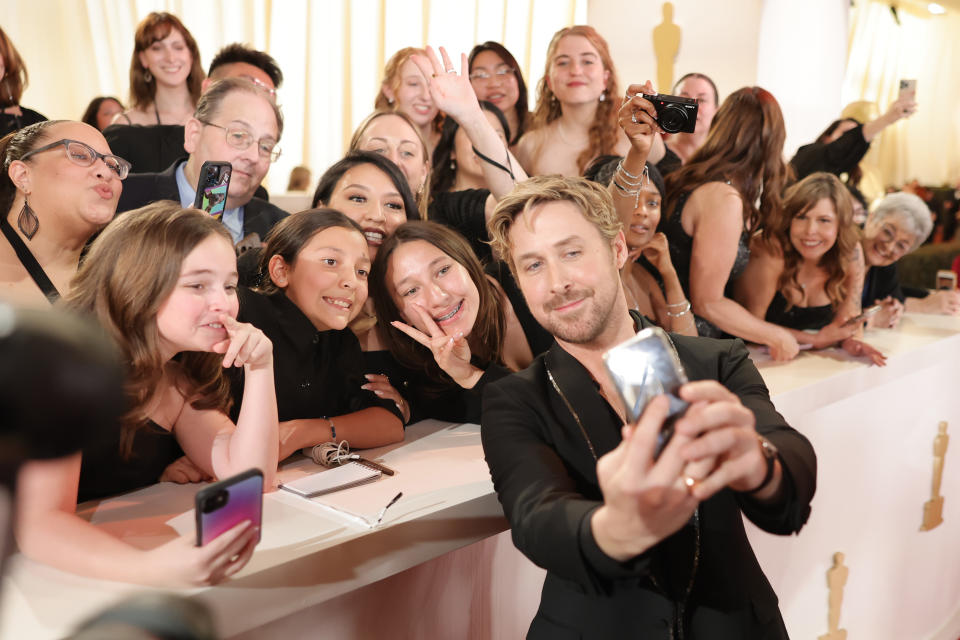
836	580
666	45
933	508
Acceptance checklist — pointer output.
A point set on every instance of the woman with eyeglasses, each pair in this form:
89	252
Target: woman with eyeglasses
495	77
59	186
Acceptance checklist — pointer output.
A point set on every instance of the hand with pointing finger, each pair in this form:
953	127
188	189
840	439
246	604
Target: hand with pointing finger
245	345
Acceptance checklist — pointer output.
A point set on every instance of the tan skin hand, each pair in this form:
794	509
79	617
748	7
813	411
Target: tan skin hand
644	501
183	471
380	385
245	345
635	107
891	311
452	353
180	562
861	349
718	426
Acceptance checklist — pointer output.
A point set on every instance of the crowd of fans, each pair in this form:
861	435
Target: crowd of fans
384	303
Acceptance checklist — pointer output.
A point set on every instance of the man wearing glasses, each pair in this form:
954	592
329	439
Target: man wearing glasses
235	122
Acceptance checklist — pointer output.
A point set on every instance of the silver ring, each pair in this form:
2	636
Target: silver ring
633	118
451	70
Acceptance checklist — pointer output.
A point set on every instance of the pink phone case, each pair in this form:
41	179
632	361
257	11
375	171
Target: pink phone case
225	504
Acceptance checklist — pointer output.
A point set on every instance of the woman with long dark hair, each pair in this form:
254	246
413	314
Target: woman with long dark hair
13	80
712	204
446	323
495	77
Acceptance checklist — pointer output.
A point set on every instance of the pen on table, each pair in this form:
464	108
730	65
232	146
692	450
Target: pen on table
389	504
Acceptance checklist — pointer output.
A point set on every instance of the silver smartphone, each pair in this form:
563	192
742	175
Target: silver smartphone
644	367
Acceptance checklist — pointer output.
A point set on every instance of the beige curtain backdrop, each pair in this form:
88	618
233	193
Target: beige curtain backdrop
925	47
331	51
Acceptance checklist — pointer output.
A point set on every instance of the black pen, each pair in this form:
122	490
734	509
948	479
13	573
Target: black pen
389	504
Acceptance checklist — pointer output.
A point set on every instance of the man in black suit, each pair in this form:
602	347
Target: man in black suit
634	546
237	122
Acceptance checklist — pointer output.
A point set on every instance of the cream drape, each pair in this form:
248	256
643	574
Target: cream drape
927	146
331	51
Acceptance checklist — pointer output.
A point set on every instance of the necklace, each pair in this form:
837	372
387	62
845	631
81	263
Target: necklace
679	608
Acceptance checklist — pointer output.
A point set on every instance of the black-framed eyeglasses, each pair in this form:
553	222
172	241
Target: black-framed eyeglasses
242	139
83	155
500	72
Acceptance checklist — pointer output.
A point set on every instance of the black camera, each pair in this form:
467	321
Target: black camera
674	114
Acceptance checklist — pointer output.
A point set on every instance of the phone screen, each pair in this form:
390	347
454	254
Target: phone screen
225	504
644	367
212	188
946	280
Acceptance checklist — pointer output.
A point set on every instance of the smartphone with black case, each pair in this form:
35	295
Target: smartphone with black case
225	504
946	280
644	367
212	187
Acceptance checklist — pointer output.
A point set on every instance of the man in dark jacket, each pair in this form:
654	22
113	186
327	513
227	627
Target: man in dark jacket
634	546
236	121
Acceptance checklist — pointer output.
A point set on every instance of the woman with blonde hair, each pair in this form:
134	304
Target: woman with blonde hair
161	281
404	89
575	119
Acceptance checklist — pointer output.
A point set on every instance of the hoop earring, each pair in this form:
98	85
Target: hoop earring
27	221
147	76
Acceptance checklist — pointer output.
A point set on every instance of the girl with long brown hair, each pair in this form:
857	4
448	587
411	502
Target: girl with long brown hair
575	119
807	273
161	281
447	324
713	211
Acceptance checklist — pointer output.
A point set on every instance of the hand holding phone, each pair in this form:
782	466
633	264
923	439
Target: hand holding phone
225	504
212	187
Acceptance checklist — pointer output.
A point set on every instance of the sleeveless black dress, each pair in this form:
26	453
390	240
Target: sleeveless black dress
799	318
681	250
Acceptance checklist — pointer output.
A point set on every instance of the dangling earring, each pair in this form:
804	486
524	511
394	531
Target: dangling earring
453	165
27	221
389	100
603	96
147	76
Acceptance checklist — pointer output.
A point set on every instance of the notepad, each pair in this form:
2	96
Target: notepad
345	476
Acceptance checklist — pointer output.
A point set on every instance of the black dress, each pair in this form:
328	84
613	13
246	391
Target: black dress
839	156
799	318
104	471
10	122
465	211
150	148
681	251
316	373
881	282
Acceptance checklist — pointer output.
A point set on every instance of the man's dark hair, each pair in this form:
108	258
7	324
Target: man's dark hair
238	52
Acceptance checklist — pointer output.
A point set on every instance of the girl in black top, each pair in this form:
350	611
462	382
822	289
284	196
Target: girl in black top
451	329
316	265
807	275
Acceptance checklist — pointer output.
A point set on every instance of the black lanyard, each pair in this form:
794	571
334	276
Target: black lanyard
29	262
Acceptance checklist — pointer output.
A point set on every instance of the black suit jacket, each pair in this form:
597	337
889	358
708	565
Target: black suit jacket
545	478
140	189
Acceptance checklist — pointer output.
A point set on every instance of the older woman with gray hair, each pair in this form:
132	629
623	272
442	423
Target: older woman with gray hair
896	227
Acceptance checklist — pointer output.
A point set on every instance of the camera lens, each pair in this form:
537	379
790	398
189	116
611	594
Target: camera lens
672	118
214	502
